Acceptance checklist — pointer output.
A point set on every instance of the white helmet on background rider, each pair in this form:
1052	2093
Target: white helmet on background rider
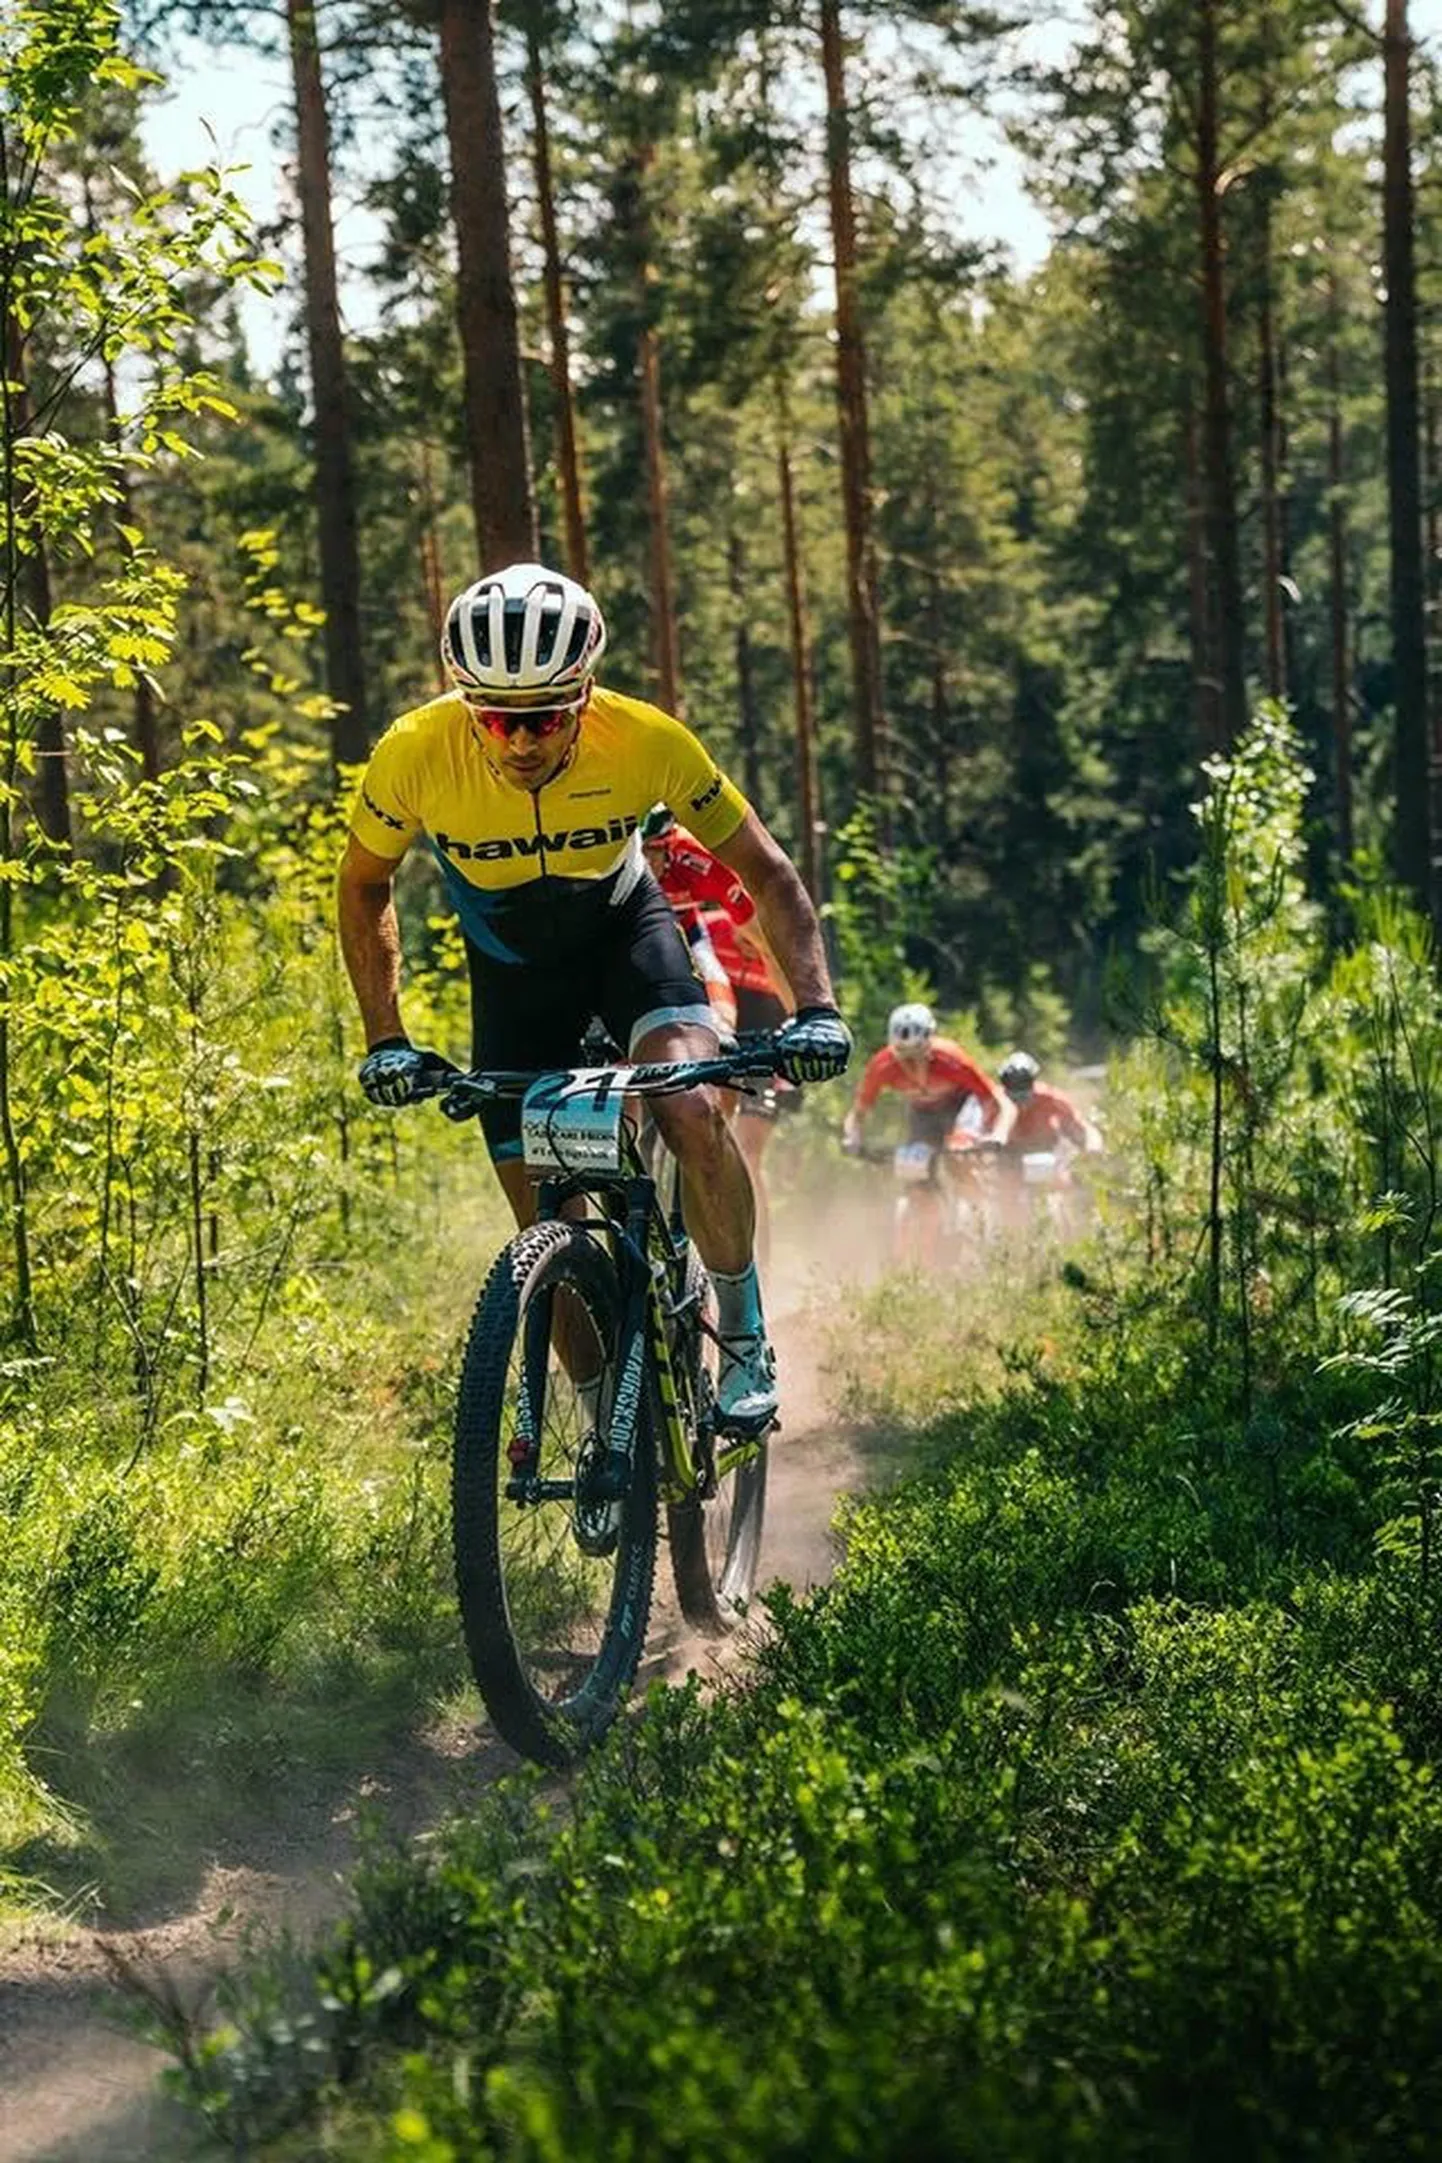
1019	1076
524	636
911	1026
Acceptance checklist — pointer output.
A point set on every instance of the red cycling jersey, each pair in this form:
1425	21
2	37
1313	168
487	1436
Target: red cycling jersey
1043	1119
747	971
702	891
947	1076
693	880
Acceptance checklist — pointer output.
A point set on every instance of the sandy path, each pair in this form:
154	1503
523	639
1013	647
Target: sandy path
76	2087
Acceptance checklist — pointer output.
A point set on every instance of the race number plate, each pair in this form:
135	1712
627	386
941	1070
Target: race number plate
912	1163
572	1122
1039	1168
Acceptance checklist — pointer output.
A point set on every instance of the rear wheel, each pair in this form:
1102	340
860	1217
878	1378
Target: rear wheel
716	1542
555	1586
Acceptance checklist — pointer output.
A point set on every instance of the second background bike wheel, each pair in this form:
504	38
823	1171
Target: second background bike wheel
715	1544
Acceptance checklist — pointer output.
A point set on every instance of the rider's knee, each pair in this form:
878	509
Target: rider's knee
693	1124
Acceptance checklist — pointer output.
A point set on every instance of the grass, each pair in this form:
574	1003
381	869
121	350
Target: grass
254	1597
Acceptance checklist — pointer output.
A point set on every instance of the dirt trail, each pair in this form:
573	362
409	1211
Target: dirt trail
77	2087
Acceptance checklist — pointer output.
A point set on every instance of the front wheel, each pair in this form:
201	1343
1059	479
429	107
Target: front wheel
554	1572
715	1542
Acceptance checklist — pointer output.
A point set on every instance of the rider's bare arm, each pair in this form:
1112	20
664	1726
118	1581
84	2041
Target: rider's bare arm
370	938
752	940
784	907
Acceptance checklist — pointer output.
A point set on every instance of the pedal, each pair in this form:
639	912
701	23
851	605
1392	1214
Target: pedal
730	1428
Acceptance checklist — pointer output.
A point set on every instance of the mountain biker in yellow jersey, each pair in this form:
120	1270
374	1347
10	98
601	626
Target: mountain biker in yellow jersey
529	780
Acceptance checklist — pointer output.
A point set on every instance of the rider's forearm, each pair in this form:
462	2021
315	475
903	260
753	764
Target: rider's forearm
791	929
370	941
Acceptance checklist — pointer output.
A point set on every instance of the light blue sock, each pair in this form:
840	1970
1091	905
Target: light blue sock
738	1303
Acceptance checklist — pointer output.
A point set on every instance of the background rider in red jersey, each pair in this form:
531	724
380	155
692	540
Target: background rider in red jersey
940	1084
718	918
1043	1116
934	1075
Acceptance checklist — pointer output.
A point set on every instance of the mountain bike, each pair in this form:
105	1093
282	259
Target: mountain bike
587	1398
941	1216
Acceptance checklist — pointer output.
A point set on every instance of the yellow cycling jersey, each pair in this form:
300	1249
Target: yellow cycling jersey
432	773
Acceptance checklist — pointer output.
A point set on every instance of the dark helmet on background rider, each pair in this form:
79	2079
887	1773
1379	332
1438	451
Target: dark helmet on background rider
659	821
910	1026
524	636
1019	1076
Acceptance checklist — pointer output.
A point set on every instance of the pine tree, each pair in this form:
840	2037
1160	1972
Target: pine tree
485	297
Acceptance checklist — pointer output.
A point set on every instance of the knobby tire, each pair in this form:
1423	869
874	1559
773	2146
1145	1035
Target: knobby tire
715	1544
552	1728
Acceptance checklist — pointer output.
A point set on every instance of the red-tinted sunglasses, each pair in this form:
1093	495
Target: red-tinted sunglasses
502	722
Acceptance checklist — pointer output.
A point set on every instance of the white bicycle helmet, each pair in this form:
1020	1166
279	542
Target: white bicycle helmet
1019	1076
522	637
910	1025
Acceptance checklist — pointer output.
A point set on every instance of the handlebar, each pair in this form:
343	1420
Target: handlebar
983	1145
753	1059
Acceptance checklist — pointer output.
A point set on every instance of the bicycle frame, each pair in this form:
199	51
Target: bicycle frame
651	1253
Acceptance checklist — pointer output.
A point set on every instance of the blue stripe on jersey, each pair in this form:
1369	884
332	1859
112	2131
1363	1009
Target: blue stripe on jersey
475	906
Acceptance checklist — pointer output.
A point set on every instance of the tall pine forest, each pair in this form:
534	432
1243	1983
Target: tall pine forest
1075	623
680	299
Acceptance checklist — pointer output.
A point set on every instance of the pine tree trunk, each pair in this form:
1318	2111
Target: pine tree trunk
1337	580
31	574
665	642
1432	542
1227	612
1404	483
334	468
1284	508
633	216
940	715
1269	408
1206	687
1432	508
567	450
807	810
861	579
495	404
433	586
747	715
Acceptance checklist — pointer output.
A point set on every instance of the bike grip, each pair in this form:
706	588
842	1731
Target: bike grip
458	1108
439	1075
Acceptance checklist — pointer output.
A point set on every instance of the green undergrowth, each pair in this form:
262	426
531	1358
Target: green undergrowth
199	1620
1088	1811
